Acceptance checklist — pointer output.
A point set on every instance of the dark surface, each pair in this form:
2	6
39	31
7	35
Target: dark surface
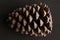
8	5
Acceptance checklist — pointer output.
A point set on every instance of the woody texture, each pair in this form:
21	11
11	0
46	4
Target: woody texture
33	20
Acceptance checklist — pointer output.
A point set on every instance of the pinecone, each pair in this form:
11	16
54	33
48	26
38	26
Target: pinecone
31	20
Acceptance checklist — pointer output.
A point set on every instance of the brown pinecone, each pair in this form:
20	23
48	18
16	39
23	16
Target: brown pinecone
32	20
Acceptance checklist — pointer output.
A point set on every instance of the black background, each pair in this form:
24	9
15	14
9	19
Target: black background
8	5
